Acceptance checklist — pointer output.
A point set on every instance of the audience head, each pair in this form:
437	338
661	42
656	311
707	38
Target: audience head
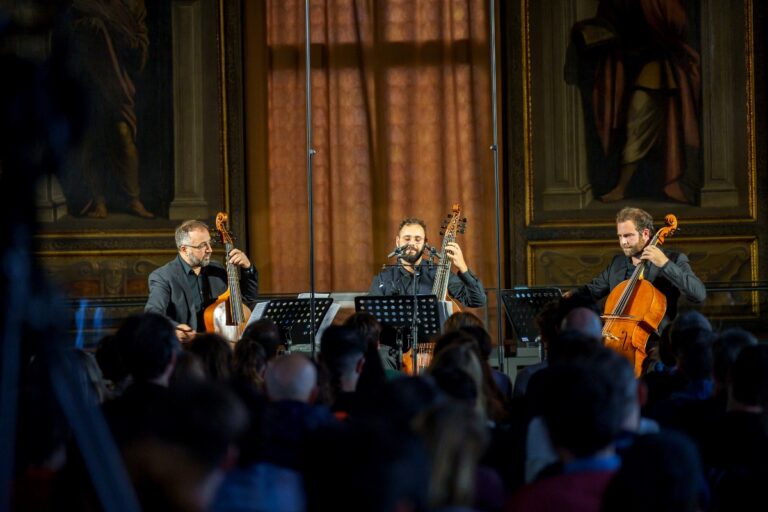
188	367
342	351
266	333
583	320
660	472
291	377
456	438
368	328
576	299
582	408
215	353
694	352
404	398
570	345
749	379
112	363
462	319
456	383
725	350
148	343
686	321
461	356
547	323
192	439
619	371
250	361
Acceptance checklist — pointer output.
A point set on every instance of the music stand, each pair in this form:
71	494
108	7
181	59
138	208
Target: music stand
293	316
396	311
522	305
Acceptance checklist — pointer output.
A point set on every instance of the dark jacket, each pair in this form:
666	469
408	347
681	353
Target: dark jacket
170	294
675	278
465	288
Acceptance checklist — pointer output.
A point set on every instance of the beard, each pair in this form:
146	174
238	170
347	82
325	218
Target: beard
199	262
634	250
412	255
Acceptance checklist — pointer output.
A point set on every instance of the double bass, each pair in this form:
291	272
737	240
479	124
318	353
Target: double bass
227	316
634	309
451	227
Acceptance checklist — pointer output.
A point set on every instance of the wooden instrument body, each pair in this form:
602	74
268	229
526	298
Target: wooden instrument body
218	318
227	316
635	308
630	328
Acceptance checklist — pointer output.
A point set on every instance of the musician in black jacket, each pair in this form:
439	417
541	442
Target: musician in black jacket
411	241
182	288
669	271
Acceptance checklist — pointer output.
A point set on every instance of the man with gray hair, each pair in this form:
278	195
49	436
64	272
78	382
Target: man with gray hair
291	377
182	288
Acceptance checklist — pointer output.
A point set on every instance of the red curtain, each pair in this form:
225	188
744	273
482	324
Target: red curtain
401	115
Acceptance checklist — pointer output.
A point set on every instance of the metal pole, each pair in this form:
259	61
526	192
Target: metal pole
495	150
310	154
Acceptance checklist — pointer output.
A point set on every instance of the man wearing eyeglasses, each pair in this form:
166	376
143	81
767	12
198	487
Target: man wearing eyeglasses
182	288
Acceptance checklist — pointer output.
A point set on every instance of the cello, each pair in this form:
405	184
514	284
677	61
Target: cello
634	309
452	226
227	316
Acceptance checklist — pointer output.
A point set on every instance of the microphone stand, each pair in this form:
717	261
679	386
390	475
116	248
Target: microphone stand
415	323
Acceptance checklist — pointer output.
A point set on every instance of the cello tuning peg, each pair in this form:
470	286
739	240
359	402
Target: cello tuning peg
442	233
464	219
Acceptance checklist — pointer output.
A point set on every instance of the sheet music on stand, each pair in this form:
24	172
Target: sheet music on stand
397	311
522	305
292	315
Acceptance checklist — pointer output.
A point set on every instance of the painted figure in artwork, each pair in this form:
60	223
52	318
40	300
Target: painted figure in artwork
107	43
640	82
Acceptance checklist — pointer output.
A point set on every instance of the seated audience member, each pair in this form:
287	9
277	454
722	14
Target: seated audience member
461	356
725	351
266	333
736	451
188	367
540	453
456	438
150	352
662	376
660	472
215	352
112	365
189	444
249	363
290	415
551	320
342	354
583	414
495	403
373	374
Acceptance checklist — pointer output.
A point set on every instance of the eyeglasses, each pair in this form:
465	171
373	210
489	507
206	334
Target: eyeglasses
200	246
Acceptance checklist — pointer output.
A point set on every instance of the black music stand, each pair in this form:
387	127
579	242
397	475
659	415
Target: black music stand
293	316
396	311
522	305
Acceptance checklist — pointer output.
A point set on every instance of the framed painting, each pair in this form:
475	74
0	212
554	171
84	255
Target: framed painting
648	103
161	142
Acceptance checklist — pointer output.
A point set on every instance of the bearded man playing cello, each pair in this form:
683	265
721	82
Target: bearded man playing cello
668	271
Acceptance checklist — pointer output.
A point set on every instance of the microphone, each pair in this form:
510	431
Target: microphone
398	251
431	250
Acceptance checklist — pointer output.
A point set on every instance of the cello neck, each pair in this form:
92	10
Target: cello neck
233	281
